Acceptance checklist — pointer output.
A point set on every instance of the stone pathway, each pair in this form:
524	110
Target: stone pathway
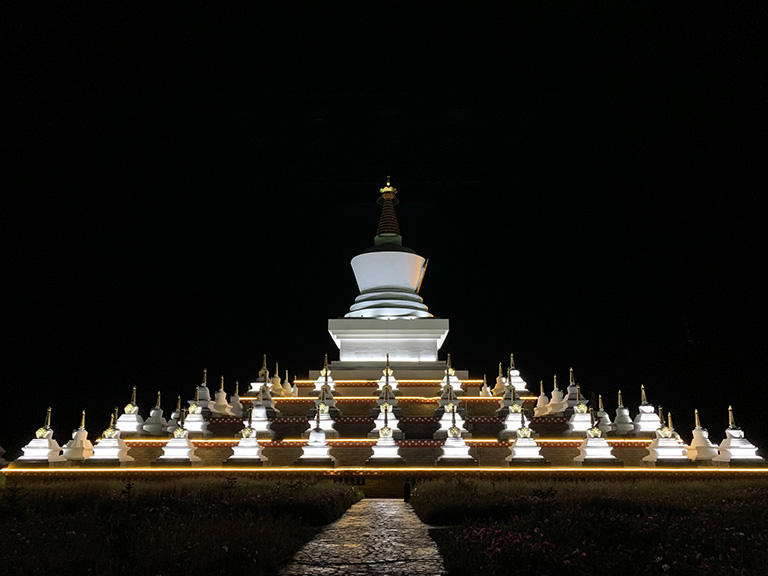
375	536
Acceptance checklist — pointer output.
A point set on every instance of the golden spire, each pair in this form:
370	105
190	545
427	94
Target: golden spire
661	415
82	420
48	418
621	402
555	388
277	370
501	371
237	388
578	390
221	386
485	382
669	421
325	361
571	376
643	398
133	395
696	418
250	416
541	387
197	393
113	418
511	360
178	402
600	402
264	363
183	418
205	376
731	419
158	399
449	360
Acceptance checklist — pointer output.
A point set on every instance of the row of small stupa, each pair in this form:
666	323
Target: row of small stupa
667	445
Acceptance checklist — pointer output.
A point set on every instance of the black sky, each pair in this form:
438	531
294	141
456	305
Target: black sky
186	185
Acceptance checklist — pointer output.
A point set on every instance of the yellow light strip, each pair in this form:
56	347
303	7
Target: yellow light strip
399	382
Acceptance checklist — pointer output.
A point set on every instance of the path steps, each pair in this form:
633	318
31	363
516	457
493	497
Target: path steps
376	536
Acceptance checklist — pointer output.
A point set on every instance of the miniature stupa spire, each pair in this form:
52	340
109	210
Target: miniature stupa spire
287	390
572	391
643	398
696	420
501	383
621	401
47	424
731	419
157	401
388	231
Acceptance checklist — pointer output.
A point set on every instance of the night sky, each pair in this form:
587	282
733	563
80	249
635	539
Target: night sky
186	185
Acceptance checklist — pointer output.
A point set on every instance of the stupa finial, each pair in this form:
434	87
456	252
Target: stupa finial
112	419
571	377
178	402
221	386
731	419
277	369
183	417
555	387
264	362
643	398
237	388
133	395
48	418
578	389
157	403
501	370
511	360
197	393
205	376
696	417
661	415
669	421
82	420
621	402
541	387
600	402
388	231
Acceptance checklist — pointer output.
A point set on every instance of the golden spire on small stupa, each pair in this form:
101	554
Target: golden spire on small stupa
205	376
541	387
82	420
48	417
511	360
237	388
221	386
696	417
643	398
197	393
578	390
178	402
669	421
555	387
731	419
133	395
661	415
157	403
277	370
621	402
501	370
600	403
571	377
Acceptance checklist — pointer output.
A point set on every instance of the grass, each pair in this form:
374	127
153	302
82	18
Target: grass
169	527
598	527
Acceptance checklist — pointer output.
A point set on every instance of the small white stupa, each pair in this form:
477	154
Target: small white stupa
258	421
324	379
450	415
385	452
514	420
572	392
79	448
541	402
603	418
324	412
514	379
220	406
173	421
647	421
276	388
156	425
523	450
317	452
247	451
667	448
595	450
735	449
262	379
202	397
581	420
623	422
501	383
386	414
42	449
287	388
195	423
455	449
110	450
450	378
557	404
485	391
237	406
130	422
701	449
179	450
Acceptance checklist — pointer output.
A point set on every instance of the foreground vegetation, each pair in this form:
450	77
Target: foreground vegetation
593	527
168	527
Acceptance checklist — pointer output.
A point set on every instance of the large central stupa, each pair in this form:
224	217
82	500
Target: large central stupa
388	318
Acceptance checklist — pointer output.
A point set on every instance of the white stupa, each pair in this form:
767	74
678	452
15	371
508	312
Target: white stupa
247	451
179	449
514	379
523	450
623	423
324	412
220	406
667	448
387	378
701	449
595	450
485	391
324	379
195	422
385	451
237	406
130	422
156	425
735	449
541	402
450	378
507	399
573	391
647	421
262	379
501	383
42	449
110	450
203	397
317	452
287	388
450	414
79	448
557	404
581	419
455	449
173	421
258	421
513	421
603	418
276	389
386	414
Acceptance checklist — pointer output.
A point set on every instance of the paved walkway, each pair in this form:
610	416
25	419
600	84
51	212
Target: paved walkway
375	536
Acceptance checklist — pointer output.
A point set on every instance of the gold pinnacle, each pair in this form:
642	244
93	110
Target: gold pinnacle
449	359
48	418
133	395
158	399
112	419
556	388
600	402
183	418
669	421
387	359
277	370
541	386
485	382
178	403
264	363
82	420
205	376
501	373
197	393
731	419
221	386
643	398
511	360
578	391
621	402
661	415
696	417
571	376
325	361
